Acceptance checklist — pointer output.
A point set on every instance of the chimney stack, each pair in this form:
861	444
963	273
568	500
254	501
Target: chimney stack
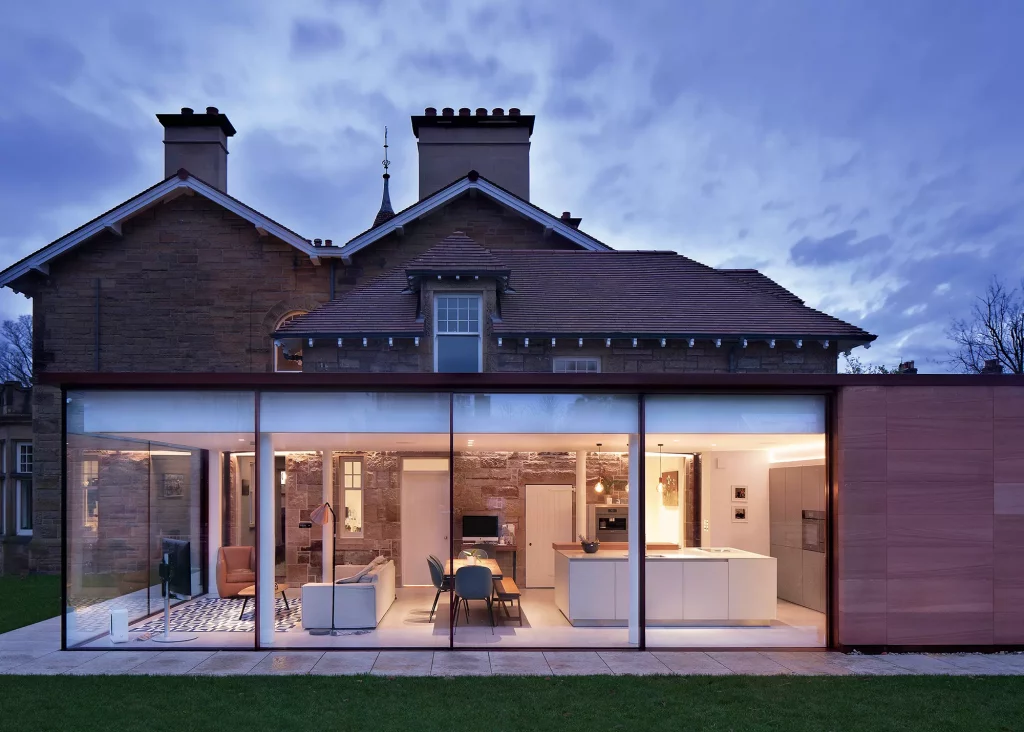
496	143
199	144
992	366
907	367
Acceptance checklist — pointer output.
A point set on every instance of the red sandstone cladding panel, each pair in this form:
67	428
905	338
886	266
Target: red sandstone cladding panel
940	595
863	466
1008	402
939	466
940	629
952	418
863	498
861	549
862	418
912	498
1009	499
928	546
1009	568
862	616
1009	628
1008	444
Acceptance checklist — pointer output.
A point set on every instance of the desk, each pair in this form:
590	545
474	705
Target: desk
451	569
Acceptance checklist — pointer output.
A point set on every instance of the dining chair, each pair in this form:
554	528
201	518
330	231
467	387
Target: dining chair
441	582
473	582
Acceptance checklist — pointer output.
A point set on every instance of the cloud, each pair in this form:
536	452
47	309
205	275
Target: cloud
841	247
582	56
315	36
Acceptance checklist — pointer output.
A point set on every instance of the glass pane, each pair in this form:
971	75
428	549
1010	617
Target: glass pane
143	470
530	480
387	521
735	501
458	354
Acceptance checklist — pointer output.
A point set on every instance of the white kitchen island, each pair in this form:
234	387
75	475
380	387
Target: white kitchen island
685	587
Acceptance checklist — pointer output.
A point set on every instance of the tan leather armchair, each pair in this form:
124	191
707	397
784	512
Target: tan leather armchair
236	569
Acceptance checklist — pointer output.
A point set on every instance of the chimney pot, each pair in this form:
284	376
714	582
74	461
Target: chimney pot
463	111
448	112
481	112
212	110
513	112
430	111
328	242
498	112
187	110
317	242
566	215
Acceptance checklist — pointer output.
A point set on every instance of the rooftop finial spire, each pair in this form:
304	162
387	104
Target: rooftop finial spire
386	212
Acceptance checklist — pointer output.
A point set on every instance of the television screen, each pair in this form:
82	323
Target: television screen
480	527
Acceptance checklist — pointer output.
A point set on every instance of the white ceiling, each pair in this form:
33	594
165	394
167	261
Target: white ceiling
439	443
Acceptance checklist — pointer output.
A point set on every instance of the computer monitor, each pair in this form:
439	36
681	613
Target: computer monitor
480	528
178	556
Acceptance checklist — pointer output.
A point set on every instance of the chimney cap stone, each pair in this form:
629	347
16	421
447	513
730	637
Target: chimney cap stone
481	119
188	118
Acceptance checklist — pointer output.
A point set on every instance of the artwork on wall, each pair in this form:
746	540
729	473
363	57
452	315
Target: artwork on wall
508	534
174	485
670	489
739	514
739	494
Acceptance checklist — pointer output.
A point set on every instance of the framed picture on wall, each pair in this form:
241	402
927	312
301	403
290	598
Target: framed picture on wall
670	489
173	486
739	514
739	494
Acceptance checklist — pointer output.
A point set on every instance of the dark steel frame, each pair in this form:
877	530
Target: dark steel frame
639	385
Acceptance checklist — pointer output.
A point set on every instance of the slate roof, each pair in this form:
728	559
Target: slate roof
585	293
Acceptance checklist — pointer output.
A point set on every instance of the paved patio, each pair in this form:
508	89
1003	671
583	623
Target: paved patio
34	650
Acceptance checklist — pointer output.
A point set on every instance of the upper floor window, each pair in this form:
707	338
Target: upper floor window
23	455
457	345
568	365
288	355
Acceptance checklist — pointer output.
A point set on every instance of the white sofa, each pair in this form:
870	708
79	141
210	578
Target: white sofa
359	604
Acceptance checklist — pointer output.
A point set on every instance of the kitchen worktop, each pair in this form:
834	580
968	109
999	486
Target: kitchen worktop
663	554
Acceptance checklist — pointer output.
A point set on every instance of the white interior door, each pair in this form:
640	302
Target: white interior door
548	520
425	522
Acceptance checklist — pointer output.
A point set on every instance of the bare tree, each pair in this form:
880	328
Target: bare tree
16	350
855	366
993	332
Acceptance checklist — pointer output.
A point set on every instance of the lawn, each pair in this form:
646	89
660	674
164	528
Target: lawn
563	704
27	600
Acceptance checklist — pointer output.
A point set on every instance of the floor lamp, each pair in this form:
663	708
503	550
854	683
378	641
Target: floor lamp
319	516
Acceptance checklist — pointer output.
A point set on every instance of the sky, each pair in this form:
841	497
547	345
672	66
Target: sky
867	155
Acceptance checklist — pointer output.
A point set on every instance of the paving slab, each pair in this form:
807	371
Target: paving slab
633	663
229	663
114	663
287	663
519	663
985	664
808	663
461	663
58	662
171	663
691	663
403	663
749	663
345	663
863	665
922	663
576	663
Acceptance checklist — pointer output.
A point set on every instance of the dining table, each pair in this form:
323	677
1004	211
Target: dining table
451	567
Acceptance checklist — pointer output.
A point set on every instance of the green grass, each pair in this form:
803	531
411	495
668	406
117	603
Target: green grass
561	704
27	600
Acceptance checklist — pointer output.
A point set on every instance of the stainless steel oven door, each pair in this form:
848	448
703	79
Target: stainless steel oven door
814	531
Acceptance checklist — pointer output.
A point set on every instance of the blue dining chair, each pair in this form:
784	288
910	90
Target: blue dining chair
441	582
473	582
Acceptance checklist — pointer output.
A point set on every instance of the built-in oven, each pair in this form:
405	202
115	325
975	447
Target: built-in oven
611	523
814	531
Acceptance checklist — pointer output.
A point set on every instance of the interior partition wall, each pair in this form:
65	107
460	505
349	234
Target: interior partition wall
143	467
332	518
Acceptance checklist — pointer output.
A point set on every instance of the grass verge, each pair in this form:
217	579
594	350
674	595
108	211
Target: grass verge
27	600
565	704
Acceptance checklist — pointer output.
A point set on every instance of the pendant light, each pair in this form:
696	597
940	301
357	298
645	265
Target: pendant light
599	488
661	484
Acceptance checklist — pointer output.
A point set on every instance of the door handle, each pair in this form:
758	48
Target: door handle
530	544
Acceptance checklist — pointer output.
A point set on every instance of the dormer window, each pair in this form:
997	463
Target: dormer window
457	344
